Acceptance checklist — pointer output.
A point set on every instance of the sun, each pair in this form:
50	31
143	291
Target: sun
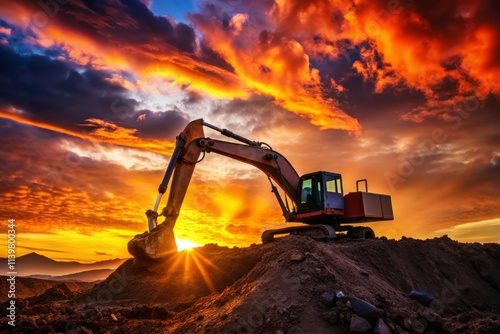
185	244
190	262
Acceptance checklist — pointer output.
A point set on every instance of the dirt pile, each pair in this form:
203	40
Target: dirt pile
285	291
295	285
29	287
180	281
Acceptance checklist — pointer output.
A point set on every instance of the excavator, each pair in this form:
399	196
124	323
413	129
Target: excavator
315	199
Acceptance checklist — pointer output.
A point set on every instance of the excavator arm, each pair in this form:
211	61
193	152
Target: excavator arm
159	241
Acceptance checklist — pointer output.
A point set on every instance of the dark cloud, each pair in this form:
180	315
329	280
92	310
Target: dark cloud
165	124
103	253
137	25
192	97
252	115
55	92
211	57
184	37
49	90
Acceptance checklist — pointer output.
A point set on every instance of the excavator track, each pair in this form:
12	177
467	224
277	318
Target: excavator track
317	231
360	232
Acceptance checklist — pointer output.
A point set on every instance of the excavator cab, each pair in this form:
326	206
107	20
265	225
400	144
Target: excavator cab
320	194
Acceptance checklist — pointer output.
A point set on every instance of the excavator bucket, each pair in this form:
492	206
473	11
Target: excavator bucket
159	242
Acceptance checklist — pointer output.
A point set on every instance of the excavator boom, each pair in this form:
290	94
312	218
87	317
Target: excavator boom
159	241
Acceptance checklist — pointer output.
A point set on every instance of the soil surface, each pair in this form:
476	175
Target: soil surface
294	285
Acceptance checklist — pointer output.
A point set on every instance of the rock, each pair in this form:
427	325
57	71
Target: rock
297	257
390	324
327	299
381	327
113	317
359	325
41	322
80	330
341	297
432	318
330	316
160	313
421	297
407	323
364	309
85	330
419	326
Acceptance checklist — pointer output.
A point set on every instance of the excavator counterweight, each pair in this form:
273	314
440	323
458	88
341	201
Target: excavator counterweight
317	199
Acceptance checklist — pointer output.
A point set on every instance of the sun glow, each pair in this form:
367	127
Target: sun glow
191	266
185	244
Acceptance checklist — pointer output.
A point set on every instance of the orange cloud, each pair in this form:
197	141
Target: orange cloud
144	59
413	46
460	51
5	31
481	57
100	131
276	65
280	66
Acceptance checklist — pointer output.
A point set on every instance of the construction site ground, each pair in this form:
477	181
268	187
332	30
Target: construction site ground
294	285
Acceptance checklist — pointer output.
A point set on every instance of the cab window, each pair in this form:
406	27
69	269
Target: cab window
334	197
311	195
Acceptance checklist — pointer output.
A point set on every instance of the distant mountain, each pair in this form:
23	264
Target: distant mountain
36	264
84	276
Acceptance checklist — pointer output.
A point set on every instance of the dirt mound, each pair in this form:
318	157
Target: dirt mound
29	287
295	285
181	280
284	291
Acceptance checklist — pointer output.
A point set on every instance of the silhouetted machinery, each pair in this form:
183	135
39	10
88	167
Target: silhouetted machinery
317	199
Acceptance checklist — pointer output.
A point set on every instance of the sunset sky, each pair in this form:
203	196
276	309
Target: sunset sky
93	93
